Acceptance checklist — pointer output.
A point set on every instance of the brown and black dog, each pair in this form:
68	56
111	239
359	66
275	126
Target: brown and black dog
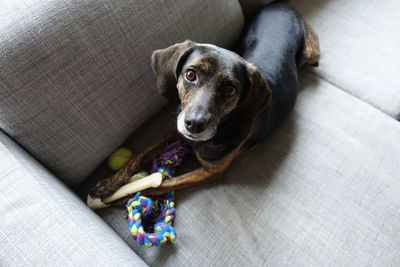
228	103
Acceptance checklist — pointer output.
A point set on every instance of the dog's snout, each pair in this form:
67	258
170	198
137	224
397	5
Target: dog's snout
196	120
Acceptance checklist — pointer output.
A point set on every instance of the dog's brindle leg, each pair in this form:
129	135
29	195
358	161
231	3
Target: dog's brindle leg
109	185
198	176
209	170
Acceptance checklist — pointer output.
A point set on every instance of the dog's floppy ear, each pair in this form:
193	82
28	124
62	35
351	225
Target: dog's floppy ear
166	64
258	94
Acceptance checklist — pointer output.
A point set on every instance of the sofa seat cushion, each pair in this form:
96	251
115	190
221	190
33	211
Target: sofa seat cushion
324	190
360	43
75	77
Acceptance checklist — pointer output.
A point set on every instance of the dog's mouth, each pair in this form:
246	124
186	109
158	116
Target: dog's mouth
205	135
198	137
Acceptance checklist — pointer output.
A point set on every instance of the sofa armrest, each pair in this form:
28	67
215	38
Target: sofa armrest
76	78
43	223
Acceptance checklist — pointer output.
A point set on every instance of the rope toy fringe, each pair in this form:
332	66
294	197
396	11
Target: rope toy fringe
159	212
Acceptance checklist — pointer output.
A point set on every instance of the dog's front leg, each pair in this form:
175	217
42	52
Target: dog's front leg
109	185
196	177
209	170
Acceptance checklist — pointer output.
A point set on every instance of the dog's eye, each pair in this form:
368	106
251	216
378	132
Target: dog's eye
229	91
190	75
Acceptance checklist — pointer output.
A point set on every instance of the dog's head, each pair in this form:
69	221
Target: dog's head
211	83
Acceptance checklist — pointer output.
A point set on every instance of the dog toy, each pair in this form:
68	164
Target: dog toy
119	158
151	181
160	211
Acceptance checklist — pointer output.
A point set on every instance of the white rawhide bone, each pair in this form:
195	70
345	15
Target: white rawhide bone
153	180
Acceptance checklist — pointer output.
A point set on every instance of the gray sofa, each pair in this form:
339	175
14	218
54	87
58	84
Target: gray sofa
76	83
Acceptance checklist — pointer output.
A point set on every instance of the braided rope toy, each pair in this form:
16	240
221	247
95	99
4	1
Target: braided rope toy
160	212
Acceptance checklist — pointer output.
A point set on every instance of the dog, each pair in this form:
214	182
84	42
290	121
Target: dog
228	101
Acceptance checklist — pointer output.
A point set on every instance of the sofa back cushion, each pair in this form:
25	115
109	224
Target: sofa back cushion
75	77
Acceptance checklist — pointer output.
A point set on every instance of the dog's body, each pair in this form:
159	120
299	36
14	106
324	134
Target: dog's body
265	44
274	42
229	103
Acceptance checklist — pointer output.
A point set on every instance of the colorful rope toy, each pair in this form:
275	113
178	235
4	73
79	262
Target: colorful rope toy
157	214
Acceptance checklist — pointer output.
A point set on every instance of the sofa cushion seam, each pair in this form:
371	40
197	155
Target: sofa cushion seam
353	95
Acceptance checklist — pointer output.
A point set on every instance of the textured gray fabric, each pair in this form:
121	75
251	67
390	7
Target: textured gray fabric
360	43
43	224
75	76
324	190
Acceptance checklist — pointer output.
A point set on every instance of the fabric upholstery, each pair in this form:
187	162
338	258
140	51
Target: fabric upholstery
322	191
43	223
75	76
360	43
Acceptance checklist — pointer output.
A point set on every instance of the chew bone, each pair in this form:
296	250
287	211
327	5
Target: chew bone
151	181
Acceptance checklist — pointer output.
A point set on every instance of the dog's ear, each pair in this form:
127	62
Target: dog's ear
257	95
166	64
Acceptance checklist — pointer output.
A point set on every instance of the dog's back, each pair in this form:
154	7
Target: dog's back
274	41
273	38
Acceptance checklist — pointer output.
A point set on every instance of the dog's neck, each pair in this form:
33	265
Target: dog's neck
231	132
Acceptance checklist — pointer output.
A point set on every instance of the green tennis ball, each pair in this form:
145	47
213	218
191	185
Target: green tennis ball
119	158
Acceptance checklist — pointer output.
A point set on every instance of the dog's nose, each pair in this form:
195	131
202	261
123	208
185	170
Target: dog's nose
196	121
195	126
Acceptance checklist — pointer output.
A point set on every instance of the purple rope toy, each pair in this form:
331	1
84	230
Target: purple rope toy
157	214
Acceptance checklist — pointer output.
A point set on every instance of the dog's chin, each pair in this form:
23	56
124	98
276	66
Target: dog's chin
203	136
